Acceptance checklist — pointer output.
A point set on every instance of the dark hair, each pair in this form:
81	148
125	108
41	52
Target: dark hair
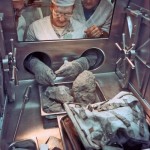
30	2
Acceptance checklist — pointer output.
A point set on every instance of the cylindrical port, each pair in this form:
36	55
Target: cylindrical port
95	57
41	56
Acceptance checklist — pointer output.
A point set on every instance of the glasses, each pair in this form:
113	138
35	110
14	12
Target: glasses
66	15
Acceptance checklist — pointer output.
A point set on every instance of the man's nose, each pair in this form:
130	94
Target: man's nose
88	1
62	18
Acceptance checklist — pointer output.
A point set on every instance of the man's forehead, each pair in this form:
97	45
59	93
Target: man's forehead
18	0
63	2
69	8
90	0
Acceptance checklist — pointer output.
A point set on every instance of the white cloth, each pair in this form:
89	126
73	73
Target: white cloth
101	17
63	2
21	27
43	30
97	124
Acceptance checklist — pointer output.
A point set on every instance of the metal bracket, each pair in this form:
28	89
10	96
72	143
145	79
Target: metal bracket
1	16
2	45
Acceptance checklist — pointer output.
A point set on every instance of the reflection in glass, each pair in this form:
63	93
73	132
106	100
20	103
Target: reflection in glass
37	20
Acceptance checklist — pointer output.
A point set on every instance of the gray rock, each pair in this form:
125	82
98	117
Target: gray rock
50	106
84	88
60	94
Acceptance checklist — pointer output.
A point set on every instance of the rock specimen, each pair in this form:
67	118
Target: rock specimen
50	106
84	88
60	94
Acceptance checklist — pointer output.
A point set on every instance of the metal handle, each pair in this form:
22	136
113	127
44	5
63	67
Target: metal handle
130	62
25	98
27	93
118	46
14	53
12	44
119	60
16	78
123	41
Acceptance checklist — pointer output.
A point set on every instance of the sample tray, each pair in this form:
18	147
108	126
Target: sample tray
51	115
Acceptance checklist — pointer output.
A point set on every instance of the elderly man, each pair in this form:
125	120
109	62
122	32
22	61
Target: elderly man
96	15
59	25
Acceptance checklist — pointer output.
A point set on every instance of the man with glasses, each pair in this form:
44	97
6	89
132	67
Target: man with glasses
95	15
59	25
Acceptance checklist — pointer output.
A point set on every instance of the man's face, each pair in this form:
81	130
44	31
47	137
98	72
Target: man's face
61	15
89	4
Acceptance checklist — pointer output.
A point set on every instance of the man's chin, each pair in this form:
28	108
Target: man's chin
88	7
61	25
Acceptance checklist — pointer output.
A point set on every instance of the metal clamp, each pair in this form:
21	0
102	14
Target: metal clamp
127	58
12	63
128	53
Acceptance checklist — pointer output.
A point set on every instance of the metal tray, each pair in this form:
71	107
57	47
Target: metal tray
99	97
69	143
50	115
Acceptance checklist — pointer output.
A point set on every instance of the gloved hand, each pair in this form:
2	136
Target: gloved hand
73	68
43	74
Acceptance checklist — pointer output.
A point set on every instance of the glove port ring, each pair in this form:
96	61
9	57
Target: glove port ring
96	54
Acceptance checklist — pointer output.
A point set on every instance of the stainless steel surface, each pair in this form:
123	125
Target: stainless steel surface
147	80
31	124
109	84
139	79
143	101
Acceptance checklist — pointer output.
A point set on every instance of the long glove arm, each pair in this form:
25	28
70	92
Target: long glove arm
73	68
43	74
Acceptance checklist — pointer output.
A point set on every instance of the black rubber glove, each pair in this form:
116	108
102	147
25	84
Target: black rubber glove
43	74
73	68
